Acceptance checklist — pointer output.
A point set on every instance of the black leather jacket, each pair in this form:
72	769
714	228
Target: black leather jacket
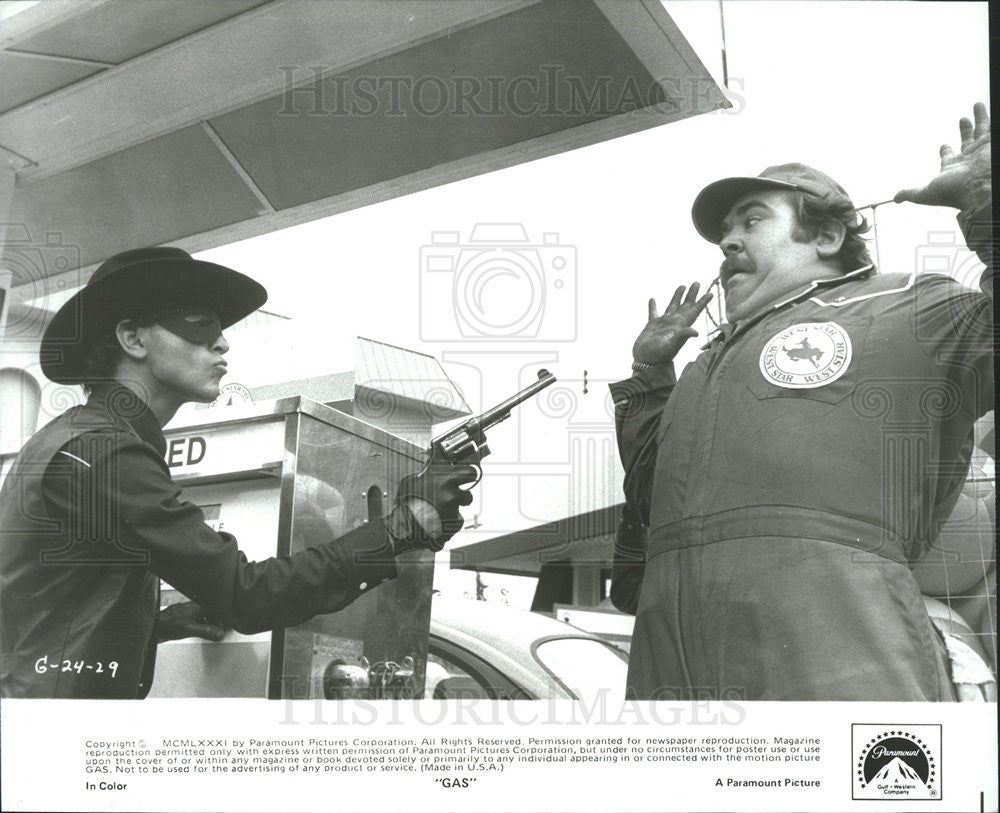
90	521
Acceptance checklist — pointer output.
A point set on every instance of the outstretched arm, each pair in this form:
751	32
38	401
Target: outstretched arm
964	183
639	401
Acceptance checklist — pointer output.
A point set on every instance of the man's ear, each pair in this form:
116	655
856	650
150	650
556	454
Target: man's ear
830	239
130	337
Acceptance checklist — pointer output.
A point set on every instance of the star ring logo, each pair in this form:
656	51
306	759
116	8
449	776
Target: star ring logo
806	355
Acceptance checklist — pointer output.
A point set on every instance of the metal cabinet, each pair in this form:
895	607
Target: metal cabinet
282	476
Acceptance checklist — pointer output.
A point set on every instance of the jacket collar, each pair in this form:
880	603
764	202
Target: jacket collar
125	407
829	282
726	329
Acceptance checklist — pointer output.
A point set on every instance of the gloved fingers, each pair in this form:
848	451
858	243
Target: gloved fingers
451	525
206	630
451	497
185	619
457	474
178	629
449	508
467	473
438	487
181	612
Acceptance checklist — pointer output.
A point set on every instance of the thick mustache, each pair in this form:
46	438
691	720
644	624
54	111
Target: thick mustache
733	264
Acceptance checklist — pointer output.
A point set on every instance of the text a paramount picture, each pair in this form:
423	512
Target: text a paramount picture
561	405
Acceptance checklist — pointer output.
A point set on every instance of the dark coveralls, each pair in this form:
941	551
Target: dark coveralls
786	480
90	521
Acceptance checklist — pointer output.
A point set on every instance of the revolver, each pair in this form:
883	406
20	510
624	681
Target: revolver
466	443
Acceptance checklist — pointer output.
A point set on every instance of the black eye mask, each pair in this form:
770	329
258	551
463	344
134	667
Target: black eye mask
197	328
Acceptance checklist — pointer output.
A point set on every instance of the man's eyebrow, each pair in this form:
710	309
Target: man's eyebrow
743	208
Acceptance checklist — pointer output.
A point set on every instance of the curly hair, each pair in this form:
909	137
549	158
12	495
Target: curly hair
100	363
812	212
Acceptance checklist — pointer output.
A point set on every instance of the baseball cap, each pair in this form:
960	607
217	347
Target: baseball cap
715	200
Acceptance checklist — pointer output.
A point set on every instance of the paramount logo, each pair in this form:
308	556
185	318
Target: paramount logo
902	762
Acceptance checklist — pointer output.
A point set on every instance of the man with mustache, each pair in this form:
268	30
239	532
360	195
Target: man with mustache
90	519
781	493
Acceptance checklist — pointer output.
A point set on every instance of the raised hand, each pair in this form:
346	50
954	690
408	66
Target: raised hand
664	335
965	176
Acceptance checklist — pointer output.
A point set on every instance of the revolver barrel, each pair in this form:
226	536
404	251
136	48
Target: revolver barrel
469	440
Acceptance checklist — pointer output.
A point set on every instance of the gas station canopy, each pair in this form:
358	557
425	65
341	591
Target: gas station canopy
581	540
141	122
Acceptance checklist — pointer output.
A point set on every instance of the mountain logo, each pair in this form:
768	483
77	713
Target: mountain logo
898	772
806	355
897	762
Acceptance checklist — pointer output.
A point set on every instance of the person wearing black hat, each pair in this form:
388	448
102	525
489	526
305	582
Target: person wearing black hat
777	491
90	520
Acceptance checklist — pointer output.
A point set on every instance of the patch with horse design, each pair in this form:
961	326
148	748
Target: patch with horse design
806	355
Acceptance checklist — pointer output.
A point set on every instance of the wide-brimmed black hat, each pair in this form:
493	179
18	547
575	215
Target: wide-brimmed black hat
133	284
715	200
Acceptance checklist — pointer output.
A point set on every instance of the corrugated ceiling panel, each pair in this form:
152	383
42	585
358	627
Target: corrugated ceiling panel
413	376
26	77
123	29
232	64
391	117
181	177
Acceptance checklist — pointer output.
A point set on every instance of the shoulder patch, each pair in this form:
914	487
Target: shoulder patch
806	355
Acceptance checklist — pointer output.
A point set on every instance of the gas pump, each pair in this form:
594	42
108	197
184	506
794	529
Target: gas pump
281	476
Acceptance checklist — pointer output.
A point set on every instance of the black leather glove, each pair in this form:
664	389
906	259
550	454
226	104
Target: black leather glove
186	620
425	513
